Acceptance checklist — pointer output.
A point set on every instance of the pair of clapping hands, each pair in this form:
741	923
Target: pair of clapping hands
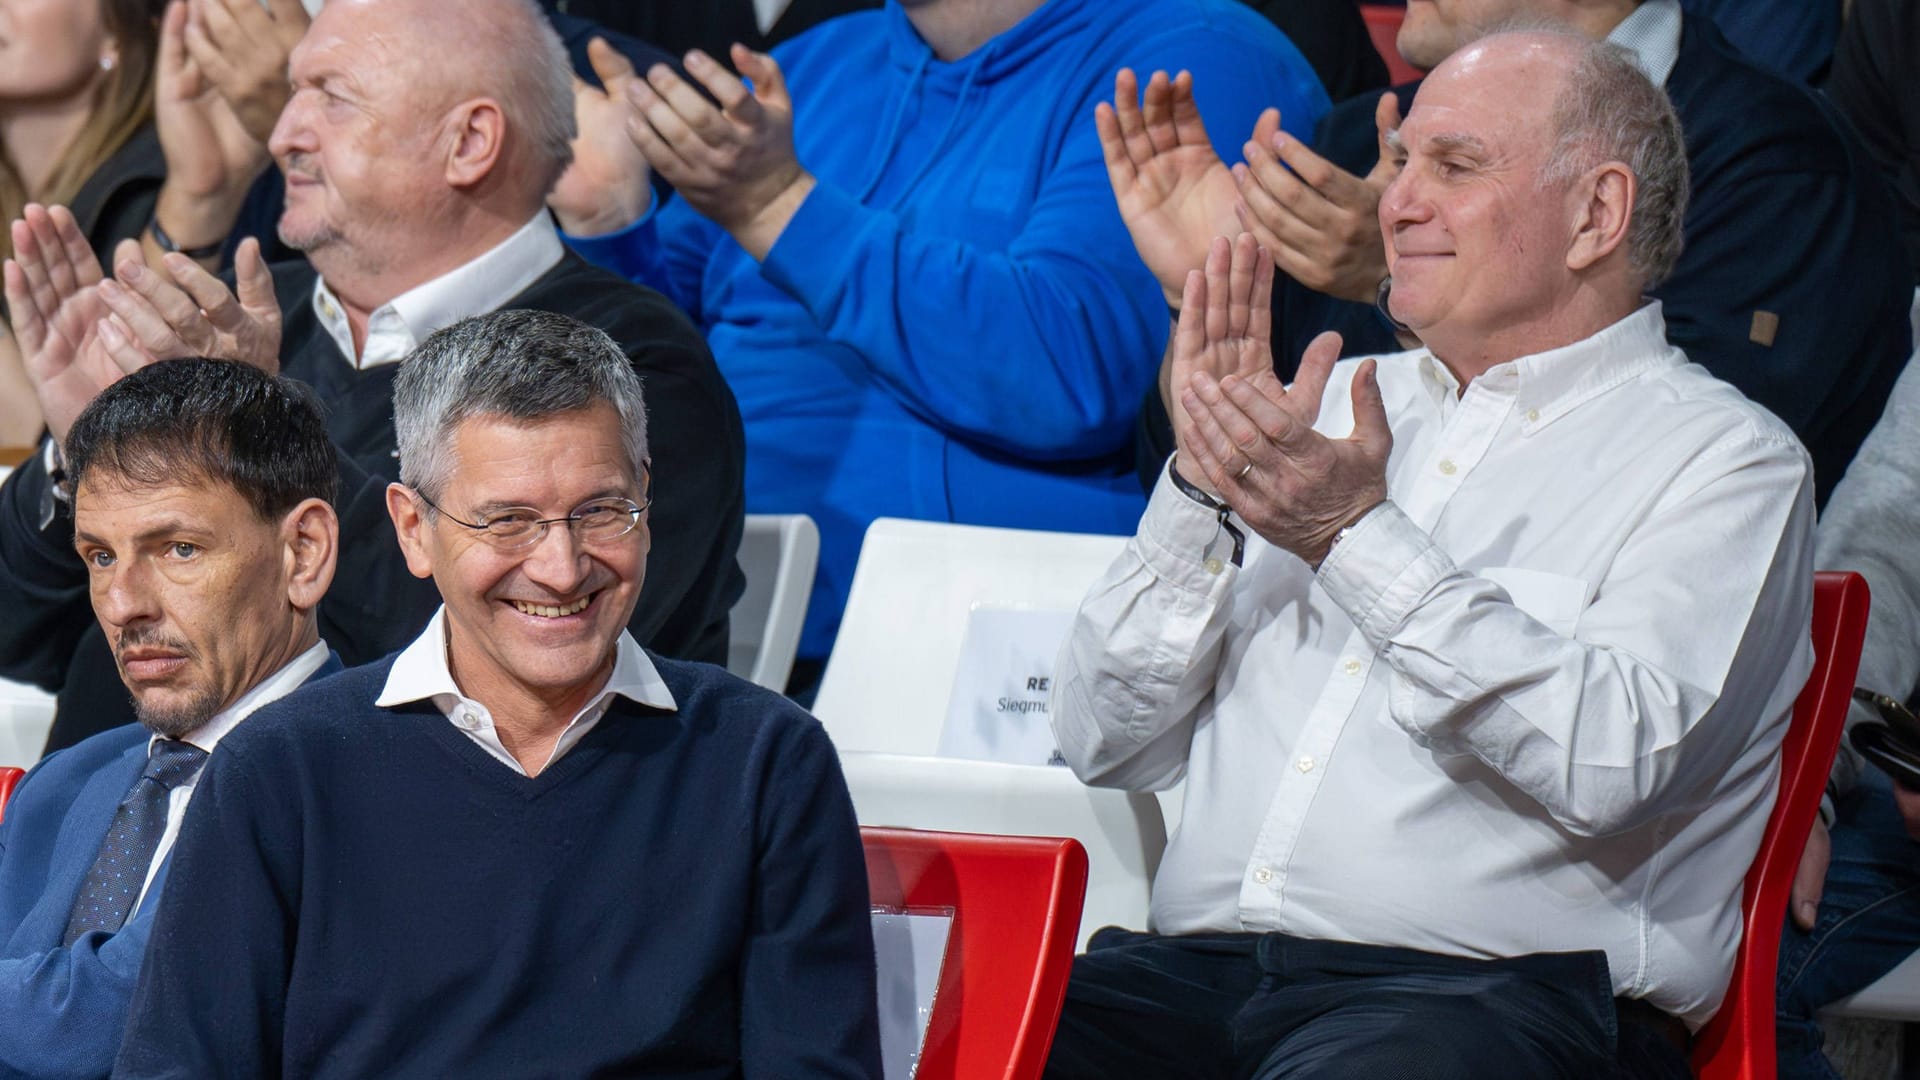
1239	434
79	331
728	151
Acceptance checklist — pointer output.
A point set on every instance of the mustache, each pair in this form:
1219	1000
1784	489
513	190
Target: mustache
144	638
302	162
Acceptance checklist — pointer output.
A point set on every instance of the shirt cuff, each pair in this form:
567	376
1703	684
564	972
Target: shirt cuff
1382	570
1181	541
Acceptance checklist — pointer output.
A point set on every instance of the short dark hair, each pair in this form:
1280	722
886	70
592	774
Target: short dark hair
194	421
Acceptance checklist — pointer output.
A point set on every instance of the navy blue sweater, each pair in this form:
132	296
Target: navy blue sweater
364	892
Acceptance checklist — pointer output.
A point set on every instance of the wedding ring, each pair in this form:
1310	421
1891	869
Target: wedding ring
1244	470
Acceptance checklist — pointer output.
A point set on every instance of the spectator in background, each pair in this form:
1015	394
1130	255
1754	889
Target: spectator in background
76	111
1333	36
900	247
1792	38
1855	912
1789	262
1872	84
201	491
421	139
1474	660
523	845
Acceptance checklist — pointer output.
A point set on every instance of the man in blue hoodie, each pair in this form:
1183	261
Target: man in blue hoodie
900	244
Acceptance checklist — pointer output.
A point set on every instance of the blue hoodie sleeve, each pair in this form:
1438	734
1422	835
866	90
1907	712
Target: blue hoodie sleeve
1063	327
1066	324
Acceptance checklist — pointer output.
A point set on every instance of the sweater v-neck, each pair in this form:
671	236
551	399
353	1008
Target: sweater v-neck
487	769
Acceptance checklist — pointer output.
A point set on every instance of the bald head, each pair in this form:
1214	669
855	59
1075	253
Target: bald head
1515	224
420	134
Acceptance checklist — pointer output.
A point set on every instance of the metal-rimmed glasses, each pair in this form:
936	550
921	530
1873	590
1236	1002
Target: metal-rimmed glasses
596	521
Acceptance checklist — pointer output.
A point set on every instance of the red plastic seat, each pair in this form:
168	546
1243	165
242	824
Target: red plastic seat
1383	26
1016	902
9	776
1738	1043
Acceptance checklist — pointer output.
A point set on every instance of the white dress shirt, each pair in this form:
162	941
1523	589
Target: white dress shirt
1532	703
208	735
420	672
475	288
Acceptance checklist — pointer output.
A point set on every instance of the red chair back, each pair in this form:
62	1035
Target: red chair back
1016	902
1738	1043
9	776
1383	26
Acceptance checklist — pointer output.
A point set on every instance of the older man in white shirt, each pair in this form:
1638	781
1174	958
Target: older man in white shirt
1475	659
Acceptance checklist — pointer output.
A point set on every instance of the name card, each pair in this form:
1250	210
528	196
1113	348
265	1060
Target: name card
998	708
909	948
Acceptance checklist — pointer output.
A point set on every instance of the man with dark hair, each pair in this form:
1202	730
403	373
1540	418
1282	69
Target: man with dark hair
202	494
557	853
419	205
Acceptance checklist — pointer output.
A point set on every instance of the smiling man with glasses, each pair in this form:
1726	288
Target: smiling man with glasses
522	845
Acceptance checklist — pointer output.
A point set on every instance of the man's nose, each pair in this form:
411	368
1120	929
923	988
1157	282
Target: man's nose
125	595
557	561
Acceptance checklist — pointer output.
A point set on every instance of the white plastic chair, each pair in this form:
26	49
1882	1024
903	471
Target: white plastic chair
778	554
1896	996
884	697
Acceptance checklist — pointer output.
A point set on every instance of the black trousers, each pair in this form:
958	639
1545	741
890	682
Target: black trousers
1271	1007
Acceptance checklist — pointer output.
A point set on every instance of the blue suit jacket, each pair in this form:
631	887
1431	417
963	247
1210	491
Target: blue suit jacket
64	1008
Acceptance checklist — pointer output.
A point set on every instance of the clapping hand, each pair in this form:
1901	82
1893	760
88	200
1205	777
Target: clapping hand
53	296
606	187
1173	191
733	161
1321	222
186	311
1252	440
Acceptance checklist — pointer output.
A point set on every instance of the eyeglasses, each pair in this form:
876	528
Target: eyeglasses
598	521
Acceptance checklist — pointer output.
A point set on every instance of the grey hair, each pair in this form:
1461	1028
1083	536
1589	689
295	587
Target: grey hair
536	81
1610	111
524	365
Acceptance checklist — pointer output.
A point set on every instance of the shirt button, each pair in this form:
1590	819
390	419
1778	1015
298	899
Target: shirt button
1214	566
1305	764
1447	467
1533	415
1263	875
1350	666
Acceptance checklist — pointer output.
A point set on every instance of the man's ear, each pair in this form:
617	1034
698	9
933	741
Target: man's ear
410	524
479	135
311	534
1603	206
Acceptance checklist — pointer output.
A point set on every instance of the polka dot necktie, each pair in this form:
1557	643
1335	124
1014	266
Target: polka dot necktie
120	870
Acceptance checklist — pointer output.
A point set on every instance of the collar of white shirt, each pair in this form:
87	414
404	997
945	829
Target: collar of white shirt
1652	35
475	288
420	672
268	690
1548	385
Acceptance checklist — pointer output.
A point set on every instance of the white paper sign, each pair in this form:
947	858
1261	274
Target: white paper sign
998	708
909	949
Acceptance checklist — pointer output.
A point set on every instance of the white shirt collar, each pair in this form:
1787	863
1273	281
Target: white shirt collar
420	673
475	288
266	691
1549	384
1652	35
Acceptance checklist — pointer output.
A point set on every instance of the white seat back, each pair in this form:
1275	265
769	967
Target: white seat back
887	683
778	554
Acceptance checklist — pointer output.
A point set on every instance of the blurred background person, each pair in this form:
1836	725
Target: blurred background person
76	128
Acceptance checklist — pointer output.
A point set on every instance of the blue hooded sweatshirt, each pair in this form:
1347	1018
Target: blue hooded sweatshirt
955	325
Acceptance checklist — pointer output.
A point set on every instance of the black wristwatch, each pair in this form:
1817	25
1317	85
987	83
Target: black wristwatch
165	242
55	494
